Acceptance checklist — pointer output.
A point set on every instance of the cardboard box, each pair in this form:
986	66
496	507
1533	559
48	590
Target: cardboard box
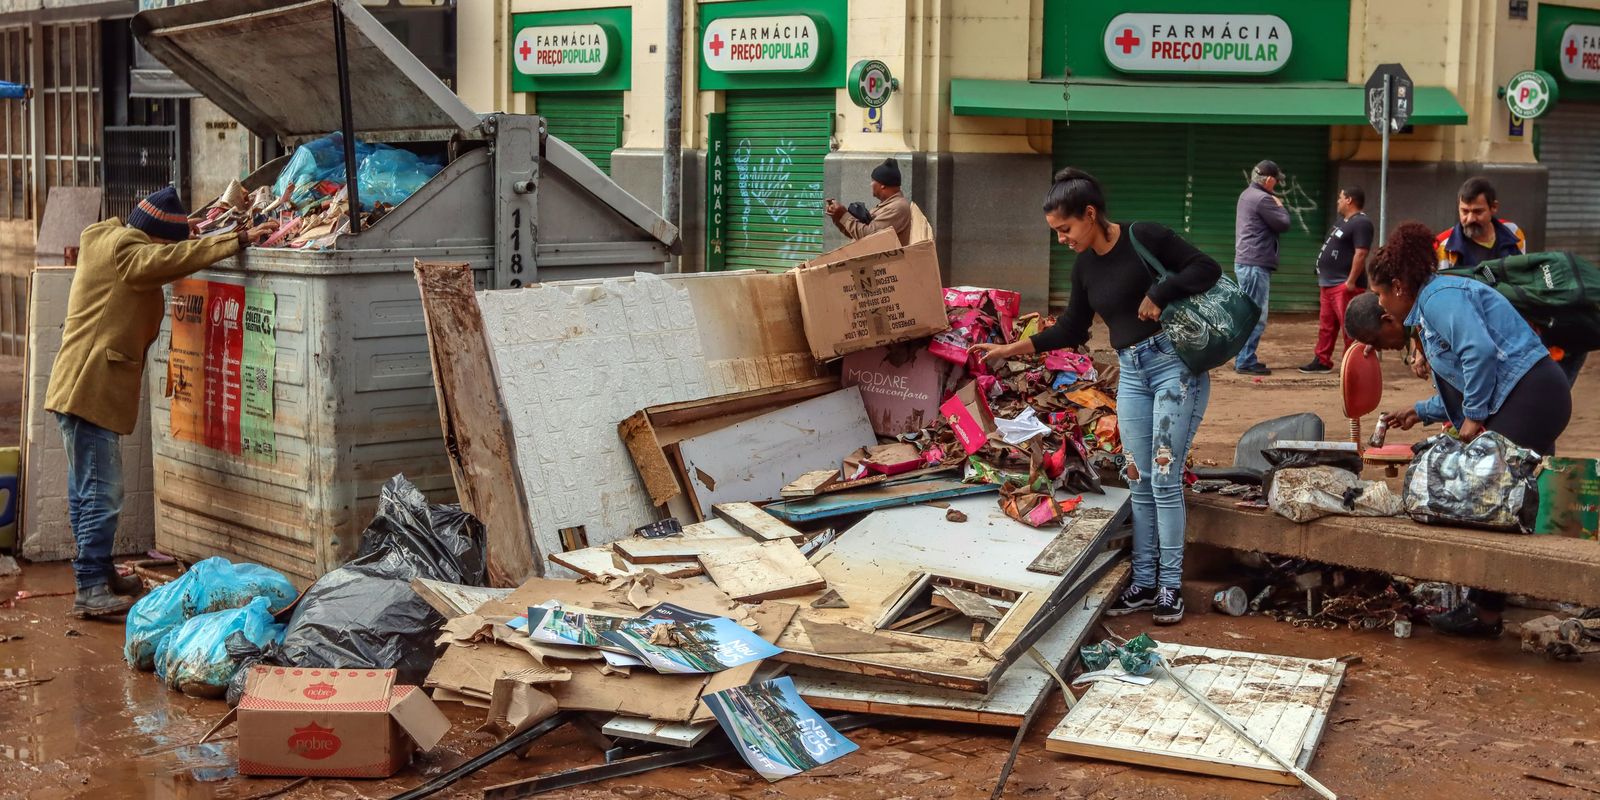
901	384
969	416
868	294
1569	498
330	723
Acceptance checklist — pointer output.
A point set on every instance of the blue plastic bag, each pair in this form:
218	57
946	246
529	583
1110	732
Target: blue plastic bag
316	161
195	658
211	585
390	175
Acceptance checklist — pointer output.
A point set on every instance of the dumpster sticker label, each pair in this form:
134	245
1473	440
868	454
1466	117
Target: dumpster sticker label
257	436
203	372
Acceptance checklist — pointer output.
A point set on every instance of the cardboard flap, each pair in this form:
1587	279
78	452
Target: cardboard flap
418	716
296	688
881	242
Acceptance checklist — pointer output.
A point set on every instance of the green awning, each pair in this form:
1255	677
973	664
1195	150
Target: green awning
1127	101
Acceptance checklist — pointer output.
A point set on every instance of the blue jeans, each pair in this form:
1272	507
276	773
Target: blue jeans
1159	406
94	496
1256	283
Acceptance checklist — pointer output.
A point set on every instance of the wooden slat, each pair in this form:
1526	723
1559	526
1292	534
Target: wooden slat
968	603
480	444
600	563
875	498
748	518
1063	550
766	571
453	599
673	548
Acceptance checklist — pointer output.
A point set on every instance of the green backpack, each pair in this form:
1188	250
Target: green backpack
1558	293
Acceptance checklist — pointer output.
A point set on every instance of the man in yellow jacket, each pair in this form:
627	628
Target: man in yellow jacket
113	315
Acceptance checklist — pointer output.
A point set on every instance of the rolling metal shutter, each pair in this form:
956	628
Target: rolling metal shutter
1188	177
1568	142
589	121
776	144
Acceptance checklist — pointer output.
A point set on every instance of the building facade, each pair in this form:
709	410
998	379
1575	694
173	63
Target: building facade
1168	101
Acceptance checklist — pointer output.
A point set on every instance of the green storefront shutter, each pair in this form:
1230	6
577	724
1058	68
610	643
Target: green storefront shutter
1188	177
776	144
1141	167
589	121
1222	158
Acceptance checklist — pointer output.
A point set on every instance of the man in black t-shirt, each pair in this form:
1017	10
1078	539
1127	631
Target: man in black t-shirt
1341	274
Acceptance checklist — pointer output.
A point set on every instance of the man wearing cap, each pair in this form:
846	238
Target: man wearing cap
1259	218
893	210
113	315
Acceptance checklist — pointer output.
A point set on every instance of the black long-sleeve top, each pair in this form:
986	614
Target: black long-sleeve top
1113	285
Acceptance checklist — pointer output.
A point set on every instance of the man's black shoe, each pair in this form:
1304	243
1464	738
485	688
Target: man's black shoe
1135	598
1254	369
1315	367
98	601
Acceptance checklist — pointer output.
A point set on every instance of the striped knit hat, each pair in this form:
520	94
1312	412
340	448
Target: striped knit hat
161	215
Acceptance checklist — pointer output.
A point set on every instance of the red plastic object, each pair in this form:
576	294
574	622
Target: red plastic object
1360	382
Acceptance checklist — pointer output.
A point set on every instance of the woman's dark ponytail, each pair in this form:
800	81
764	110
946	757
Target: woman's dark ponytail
1073	192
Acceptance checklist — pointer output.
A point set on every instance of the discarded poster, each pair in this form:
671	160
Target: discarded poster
776	733
257	433
709	645
560	626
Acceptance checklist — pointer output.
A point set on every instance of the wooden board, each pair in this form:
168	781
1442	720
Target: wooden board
874	565
875	498
676	734
1058	555
673	548
477	433
1014	694
766	571
1281	700
751	520
454	599
827	481
601	563
968	603
753	460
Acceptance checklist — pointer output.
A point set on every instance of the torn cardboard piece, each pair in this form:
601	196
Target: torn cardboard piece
337	723
853	302
970	417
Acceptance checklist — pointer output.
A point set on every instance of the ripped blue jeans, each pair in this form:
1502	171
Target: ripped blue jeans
1159	406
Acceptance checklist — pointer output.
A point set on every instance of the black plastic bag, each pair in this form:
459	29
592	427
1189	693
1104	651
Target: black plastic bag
247	654
1302	455
365	614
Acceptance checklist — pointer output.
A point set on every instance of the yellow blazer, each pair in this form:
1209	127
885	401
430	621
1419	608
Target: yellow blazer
114	315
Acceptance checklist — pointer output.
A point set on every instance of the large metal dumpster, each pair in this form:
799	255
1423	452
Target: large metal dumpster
301	379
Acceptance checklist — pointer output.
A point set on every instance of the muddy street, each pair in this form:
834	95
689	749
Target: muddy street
1418	717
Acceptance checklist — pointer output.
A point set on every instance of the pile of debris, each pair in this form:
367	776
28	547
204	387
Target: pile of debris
310	201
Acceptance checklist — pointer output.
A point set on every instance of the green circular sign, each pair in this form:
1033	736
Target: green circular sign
870	84
1530	93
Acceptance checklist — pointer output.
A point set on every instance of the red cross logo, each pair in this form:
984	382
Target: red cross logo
1572	50
524	50
1127	41
716	44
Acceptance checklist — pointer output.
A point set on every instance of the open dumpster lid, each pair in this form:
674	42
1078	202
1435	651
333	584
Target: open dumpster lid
270	65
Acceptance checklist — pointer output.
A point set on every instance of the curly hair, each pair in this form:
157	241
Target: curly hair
1408	258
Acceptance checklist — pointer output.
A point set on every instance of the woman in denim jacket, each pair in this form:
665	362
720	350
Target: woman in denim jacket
1159	401
1489	367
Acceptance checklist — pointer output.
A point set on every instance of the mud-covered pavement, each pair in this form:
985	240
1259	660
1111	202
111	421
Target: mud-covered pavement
1424	717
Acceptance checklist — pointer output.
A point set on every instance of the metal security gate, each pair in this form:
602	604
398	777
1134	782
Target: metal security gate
1568	142
776	142
589	121
1188	177
140	159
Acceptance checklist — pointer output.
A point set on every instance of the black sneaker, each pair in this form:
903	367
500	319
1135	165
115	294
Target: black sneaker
1169	607
98	601
1135	598
129	585
1463	620
1315	367
1254	369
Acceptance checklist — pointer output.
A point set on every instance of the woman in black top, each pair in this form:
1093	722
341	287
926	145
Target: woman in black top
1159	400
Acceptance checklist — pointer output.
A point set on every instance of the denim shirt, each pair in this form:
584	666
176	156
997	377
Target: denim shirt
1475	341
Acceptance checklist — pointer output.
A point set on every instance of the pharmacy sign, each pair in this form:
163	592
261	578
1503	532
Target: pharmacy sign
1210	44
549	50
789	43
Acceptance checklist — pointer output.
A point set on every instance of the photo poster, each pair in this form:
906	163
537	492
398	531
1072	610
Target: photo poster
776	733
571	627
693	646
210	352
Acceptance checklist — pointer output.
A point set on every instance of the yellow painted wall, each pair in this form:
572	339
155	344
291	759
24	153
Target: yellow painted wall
1467	46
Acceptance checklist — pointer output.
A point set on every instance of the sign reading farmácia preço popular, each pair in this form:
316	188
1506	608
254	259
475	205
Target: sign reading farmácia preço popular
571	51
788	43
1213	44
1580	53
545	50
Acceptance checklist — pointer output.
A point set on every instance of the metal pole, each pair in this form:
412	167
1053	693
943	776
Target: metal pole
672	150
1383	168
346	120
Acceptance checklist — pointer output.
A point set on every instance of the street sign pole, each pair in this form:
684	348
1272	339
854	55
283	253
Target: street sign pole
1383	167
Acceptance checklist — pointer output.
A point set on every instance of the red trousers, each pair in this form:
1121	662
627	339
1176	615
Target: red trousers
1330	323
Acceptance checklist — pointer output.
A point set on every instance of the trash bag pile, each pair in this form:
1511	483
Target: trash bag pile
179	629
309	200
